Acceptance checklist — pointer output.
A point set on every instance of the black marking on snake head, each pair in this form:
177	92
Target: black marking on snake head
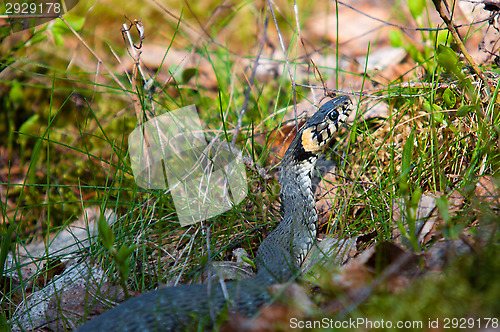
301	153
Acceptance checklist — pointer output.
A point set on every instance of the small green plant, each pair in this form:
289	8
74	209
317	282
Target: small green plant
121	256
411	195
448	60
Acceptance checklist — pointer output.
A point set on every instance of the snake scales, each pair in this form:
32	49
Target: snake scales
278	257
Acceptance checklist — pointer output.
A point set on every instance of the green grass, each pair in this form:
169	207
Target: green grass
60	157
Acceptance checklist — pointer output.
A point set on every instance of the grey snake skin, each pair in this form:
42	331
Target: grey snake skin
196	307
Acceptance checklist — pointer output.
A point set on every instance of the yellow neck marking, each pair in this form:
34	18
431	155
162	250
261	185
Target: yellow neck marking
309	143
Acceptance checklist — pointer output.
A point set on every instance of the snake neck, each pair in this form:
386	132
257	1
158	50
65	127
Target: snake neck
298	204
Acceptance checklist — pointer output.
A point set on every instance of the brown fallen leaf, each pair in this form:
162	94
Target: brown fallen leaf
355	274
69	305
326	187
386	265
375	109
428	218
292	302
279	140
356	30
487	191
54	304
382	58
227	271
329	251
444	251
40	263
50	269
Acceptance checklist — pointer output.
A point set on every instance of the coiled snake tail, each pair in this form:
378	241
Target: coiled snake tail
278	257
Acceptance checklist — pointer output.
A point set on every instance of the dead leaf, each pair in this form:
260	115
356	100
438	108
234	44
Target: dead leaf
65	245
444	251
386	253
382	58
51	268
355	274
330	251
375	109
280	139
227	271
292	302
53	275
326	188
385	264
427	216
39	309
70	240
487	190
80	300
356	30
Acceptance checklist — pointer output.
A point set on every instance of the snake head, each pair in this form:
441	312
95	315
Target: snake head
321	127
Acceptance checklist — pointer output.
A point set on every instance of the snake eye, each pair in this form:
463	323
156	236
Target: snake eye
333	115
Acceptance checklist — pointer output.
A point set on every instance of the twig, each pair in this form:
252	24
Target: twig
260	170
135	54
403	28
289	68
379	90
458	40
189	246
308	55
120	84
193	33
251	81
326	91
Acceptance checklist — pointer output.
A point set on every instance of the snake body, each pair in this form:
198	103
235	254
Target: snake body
278	257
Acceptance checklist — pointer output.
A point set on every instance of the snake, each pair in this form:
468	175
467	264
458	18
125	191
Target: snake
278	258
